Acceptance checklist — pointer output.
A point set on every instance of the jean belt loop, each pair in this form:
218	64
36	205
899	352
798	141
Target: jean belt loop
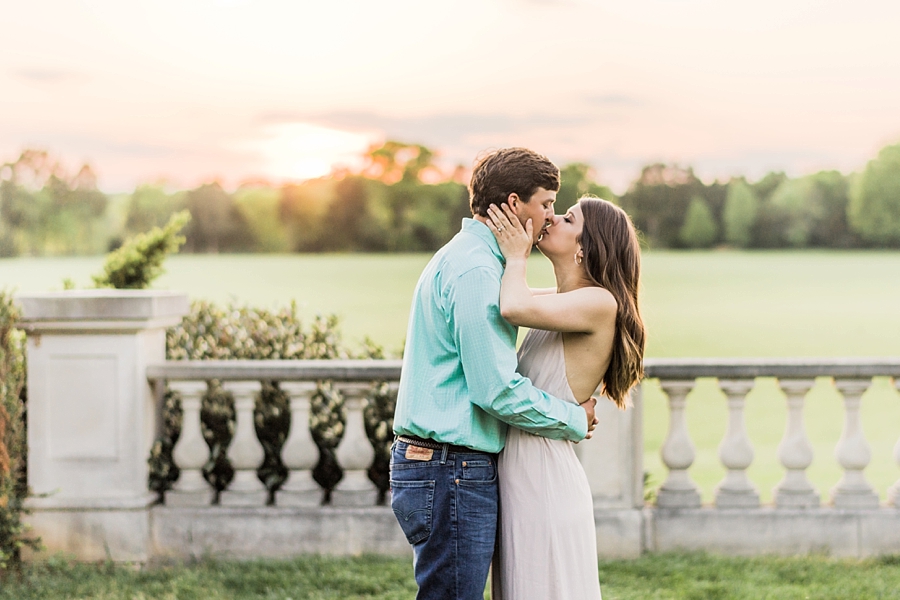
444	449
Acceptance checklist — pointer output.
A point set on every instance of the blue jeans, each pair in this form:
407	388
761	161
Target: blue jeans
447	507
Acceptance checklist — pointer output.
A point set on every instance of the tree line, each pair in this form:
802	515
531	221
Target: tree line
401	202
674	209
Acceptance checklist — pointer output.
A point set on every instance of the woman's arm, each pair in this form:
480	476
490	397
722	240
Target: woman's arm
542	291
581	310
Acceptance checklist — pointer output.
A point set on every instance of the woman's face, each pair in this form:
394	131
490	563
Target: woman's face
562	236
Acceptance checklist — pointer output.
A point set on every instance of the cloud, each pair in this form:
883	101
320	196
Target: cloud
46	76
614	100
440	129
546	2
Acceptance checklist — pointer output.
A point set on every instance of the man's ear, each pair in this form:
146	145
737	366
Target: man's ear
514	202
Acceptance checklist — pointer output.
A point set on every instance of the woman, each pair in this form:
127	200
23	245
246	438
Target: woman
585	333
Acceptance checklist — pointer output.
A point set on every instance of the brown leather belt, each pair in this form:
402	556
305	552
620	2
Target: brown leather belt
413	440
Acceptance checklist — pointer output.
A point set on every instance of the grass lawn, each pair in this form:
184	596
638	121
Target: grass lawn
659	577
695	304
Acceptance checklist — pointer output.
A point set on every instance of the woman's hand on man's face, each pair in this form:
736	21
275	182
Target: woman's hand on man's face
514	240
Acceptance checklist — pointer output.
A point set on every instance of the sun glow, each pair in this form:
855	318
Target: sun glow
298	151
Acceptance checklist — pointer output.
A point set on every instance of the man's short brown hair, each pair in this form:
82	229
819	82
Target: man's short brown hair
507	171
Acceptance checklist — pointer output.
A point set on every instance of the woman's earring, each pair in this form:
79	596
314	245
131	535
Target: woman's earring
577	258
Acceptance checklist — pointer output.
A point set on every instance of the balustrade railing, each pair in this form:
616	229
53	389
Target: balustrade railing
352	379
355	453
851	378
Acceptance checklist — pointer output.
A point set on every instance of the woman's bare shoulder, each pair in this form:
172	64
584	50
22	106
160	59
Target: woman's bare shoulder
596	299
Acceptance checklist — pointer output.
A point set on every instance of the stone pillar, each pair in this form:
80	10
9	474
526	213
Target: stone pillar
355	453
190	452
795	452
678	490
92	416
736	451
894	491
853	452
299	451
245	452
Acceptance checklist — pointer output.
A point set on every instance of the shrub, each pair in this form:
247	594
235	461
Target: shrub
233	332
139	260
13	489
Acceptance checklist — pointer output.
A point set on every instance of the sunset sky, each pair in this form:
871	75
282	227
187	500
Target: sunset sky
190	90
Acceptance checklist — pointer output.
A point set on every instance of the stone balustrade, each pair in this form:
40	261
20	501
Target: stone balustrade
94	471
352	379
853	522
851	377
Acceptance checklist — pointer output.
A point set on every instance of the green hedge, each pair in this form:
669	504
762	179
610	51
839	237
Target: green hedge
13	490
235	332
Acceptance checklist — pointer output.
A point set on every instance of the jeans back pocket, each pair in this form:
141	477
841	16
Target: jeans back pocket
413	503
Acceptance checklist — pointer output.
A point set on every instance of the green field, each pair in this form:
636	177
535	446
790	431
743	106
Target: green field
695	304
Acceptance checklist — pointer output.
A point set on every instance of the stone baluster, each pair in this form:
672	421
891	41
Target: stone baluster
299	452
853	451
894	491
736	451
795	452
678	490
355	453
245	452
190	452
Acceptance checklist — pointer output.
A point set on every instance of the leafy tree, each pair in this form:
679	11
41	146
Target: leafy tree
46	211
349	217
430	214
217	224
577	180
796	208
874	208
810	211
699	229
259	207
768	184
139	261
832	194
301	208
396	161
658	201
387	207
739	215
150	206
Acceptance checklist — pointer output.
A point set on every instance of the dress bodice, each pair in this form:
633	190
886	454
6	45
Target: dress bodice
542	359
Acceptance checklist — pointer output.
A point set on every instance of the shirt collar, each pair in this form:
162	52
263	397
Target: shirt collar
480	230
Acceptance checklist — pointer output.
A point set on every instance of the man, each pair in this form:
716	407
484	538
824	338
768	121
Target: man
459	388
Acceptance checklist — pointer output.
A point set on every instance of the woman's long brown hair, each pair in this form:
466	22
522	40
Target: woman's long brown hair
612	259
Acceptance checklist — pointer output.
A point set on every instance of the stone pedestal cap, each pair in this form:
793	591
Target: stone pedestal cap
101	309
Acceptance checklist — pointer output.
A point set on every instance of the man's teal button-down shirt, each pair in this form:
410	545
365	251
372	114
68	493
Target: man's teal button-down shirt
459	383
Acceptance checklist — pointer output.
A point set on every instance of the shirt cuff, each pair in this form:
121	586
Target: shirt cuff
578	424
